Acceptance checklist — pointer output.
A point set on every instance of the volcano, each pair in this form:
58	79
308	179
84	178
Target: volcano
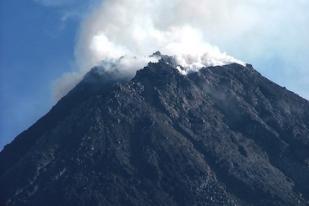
224	135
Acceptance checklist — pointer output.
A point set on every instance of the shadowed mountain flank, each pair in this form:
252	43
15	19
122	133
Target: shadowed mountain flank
224	135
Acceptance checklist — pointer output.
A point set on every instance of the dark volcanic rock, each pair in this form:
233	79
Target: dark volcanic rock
222	136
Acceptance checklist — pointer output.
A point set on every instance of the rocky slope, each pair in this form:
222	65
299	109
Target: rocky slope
221	136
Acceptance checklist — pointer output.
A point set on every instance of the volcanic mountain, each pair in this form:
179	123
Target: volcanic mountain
224	135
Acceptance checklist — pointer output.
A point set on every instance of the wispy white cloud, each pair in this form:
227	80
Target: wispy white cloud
69	10
55	3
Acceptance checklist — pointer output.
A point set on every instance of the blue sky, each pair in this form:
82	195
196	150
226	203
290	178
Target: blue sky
38	40
36	48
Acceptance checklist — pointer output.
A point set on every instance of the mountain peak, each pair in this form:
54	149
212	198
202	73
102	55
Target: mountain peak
223	135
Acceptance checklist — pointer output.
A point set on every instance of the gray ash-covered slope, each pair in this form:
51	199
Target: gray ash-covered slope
221	136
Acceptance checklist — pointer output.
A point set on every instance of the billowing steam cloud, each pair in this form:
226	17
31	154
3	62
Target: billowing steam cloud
140	27
134	29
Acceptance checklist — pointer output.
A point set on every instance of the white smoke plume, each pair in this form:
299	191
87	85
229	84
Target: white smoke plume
140	27
134	29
